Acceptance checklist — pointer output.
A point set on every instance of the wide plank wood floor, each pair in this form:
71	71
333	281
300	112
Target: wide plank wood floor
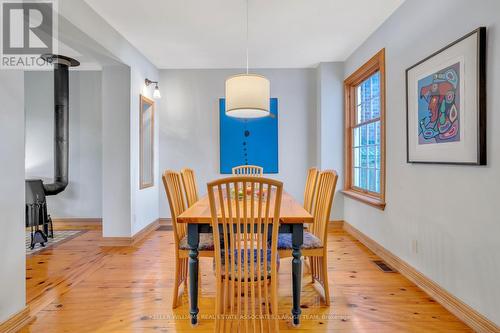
80	287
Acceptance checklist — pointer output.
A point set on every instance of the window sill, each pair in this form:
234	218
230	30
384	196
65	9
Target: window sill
367	199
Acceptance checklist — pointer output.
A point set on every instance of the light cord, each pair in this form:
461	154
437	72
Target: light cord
247	34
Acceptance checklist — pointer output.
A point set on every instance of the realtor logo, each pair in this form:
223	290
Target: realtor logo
27	32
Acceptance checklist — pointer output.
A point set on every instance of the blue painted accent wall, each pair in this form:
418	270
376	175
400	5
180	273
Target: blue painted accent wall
249	141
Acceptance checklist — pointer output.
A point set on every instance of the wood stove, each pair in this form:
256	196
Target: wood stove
36	190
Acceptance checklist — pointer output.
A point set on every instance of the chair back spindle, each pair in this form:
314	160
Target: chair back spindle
248	170
190	188
310	189
325	192
173	187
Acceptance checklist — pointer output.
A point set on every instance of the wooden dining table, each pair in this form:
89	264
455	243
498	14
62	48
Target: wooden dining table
292	219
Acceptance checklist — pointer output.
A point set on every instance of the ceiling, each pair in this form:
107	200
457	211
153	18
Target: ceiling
211	33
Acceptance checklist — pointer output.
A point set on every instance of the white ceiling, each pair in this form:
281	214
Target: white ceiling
211	33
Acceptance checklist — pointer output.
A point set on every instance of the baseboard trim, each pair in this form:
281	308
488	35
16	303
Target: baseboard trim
468	315
78	223
165	221
130	241
17	322
142	234
336	224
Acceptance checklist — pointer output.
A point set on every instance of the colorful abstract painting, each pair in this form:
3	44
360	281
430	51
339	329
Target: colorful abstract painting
249	141
439	106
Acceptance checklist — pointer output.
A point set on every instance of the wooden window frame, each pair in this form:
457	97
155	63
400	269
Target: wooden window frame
375	64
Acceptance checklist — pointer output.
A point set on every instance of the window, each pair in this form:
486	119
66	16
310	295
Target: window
365	133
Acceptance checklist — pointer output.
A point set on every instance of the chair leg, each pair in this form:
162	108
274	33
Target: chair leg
218	304
274	297
274	305
185	272
325	280
175	294
313	267
307	263
228	294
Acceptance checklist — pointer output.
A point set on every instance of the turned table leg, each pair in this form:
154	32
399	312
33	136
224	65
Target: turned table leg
297	241
193	242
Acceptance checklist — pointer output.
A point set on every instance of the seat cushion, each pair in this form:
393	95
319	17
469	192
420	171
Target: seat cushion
310	241
248	260
206	242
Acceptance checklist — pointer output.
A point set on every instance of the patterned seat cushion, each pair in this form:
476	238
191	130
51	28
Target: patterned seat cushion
310	241
206	242
248	259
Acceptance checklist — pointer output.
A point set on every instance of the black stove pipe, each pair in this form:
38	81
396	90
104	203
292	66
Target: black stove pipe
61	121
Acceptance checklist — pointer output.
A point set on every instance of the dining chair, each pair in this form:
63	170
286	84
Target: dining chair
310	189
172	183
315	245
245	218
248	170
189	184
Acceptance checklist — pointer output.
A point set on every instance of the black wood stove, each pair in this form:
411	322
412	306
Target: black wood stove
36	190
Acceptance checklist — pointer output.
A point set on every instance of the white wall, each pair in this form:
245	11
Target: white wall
116	198
451	211
144	203
82	198
189	124
330	126
12	255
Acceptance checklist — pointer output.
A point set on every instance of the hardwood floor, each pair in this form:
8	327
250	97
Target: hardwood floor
81	287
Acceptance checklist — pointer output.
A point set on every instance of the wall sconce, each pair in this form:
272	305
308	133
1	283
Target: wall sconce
156	92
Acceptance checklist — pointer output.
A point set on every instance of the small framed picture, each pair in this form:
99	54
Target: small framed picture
446	104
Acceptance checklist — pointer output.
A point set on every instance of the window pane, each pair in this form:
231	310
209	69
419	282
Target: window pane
372	180
363	178
375	107
364	135
368	99
371	134
366	109
377	132
377	157
375	84
366	93
364	157
356	177
372	157
356	140
355	157
377	181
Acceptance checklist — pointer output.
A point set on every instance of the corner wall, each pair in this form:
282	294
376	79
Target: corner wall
449	211
330	126
116	200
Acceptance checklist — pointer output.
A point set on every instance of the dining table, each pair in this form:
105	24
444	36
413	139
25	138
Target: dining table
292	218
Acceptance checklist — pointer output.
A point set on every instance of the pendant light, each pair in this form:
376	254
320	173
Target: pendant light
247	95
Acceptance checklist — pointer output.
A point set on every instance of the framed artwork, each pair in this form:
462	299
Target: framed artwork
446	104
248	141
146	144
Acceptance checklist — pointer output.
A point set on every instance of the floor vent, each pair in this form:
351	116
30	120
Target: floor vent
164	228
383	266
